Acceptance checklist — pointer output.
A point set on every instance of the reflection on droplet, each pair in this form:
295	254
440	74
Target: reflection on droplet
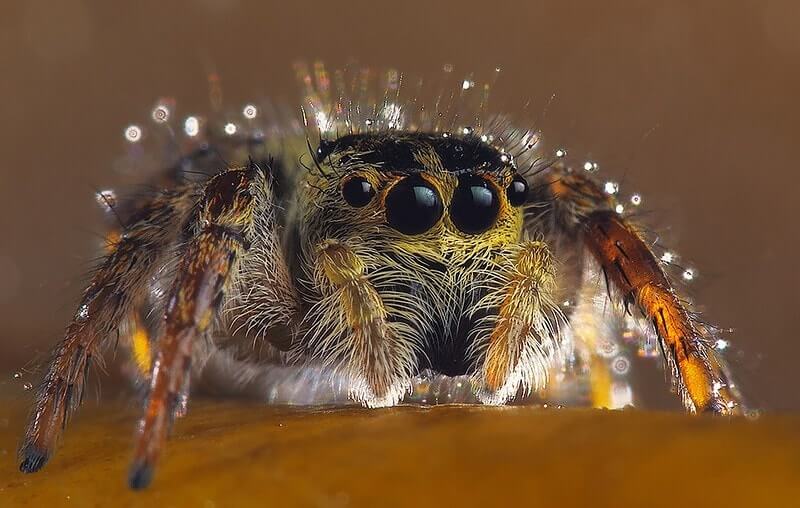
230	129
636	200
18	375
27	386
160	114
133	133
620	209
561	153
689	274
621	365
191	126
250	111
107	199
668	257
467	84
611	187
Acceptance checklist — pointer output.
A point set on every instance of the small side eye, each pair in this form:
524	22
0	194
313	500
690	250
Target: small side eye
357	191
517	192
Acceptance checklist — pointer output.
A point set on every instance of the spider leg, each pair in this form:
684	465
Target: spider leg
355	317
521	332
205	273
634	272
119	282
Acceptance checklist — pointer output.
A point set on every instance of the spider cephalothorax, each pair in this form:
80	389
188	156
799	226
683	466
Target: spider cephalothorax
415	237
397	253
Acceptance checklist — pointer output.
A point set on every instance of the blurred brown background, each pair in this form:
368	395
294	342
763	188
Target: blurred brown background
694	103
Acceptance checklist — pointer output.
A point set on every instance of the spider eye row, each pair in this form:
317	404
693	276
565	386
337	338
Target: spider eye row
413	206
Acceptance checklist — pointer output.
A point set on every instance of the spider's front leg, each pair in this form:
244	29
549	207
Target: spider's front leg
351	327
207	267
631	267
519	333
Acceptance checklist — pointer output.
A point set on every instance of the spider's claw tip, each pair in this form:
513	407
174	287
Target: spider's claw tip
140	476
32	458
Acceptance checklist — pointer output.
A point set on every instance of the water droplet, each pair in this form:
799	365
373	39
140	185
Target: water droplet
621	365
611	188
133	133
18	375
250	111
160	114
636	200
467	84
27	387
230	129
369	122
620	209
607	348
107	199
561	153
689	274
668	257
721	345
590	166
191	126
466	131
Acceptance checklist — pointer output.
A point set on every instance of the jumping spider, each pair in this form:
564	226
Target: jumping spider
398	250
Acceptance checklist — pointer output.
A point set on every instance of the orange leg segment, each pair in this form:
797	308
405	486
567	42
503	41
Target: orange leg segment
204	273
632	268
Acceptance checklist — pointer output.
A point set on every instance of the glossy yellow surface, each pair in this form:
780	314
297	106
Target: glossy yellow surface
241	454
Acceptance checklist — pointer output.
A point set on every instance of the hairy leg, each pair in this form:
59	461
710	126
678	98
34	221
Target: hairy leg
115	287
210	262
581	209
350	328
519	335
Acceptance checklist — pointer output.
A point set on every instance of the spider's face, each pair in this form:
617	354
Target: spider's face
429	194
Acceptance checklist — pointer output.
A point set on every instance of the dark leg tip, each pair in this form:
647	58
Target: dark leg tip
32	459
140	476
717	407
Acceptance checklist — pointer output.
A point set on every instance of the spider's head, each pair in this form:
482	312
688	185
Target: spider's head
423	191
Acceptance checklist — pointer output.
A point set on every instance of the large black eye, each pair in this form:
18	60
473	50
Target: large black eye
517	192
413	206
357	191
475	205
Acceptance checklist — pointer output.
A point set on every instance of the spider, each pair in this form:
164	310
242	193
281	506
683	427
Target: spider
400	248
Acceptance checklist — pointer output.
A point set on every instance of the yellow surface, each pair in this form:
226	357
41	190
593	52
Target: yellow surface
241	454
